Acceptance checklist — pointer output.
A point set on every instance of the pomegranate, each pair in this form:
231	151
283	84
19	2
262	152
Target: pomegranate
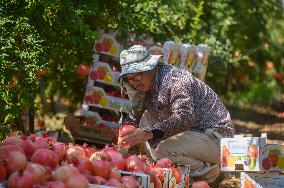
5	150
129	182
55	184
124	130
3	173
102	168
32	144
41	72
115	174
116	157
99	180
46	158
83	69
61	173
85	166
134	163
200	184
59	149
13	140
88	150
100	155
164	163
121	165
15	161
76	181
114	183
38	139
39	173
114	154
21	179
74	153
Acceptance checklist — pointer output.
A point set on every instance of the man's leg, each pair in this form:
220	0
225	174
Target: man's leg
189	148
196	149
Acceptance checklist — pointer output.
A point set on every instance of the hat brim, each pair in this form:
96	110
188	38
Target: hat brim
140	66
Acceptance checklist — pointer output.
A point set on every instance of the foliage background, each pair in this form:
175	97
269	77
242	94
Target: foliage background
245	37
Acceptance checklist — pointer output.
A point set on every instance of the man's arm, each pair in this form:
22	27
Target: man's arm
182	117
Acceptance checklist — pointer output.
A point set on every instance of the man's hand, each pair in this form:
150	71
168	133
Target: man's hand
133	137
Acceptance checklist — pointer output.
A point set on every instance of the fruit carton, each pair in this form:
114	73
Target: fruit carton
143	179
188	56
94	129
96	118
108	45
172	53
102	72
170	180
199	70
258	180
96	96
272	158
241	153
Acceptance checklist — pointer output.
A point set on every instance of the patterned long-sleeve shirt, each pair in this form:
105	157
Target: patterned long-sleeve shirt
181	102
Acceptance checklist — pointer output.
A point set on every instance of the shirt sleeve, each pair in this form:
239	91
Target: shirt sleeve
182	117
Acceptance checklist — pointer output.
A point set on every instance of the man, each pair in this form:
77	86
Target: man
177	115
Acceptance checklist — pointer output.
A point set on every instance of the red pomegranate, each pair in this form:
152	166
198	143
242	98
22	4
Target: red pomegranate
85	166
3	173
76	181
46	158
102	168
62	172
15	161
59	149
13	140
21	179
74	153
39	173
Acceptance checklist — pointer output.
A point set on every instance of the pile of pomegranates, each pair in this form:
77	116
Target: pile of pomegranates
39	161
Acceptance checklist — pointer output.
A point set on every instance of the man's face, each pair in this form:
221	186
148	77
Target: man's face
141	81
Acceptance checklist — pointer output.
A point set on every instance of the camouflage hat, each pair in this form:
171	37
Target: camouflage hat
137	59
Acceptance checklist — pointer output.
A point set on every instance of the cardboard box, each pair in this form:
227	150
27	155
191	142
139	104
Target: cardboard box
170	181
96	96
143	179
250	154
272	158
107	76
241	153
108	45
258	180
98	130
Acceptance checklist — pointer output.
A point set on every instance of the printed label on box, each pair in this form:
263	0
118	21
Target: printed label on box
241	153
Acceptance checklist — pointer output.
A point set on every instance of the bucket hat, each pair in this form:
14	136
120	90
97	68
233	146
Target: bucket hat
137	59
